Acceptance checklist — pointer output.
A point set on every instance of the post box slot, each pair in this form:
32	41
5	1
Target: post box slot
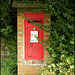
34	21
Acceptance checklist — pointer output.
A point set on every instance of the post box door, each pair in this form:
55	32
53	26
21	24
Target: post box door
33	49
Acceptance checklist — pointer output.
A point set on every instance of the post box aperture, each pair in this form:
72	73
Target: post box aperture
33	49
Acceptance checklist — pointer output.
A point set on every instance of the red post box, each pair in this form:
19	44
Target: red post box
33	49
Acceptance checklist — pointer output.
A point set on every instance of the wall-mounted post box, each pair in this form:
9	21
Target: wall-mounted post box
33	49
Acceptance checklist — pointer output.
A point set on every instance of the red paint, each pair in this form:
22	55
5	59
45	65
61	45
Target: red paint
33	51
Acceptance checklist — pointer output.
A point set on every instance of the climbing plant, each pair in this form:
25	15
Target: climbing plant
61	37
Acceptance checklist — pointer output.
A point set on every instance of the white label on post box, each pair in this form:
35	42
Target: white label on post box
33	38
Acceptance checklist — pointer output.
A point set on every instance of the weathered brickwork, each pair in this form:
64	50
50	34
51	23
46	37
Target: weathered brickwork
28	67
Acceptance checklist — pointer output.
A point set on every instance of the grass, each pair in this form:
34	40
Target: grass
6	69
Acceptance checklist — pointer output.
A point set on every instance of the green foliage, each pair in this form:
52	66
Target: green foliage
8	33
8	67
65	67
61	38
5	70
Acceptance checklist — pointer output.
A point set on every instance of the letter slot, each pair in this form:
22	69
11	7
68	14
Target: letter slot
34	21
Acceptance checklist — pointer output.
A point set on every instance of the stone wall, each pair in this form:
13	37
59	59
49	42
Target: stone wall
28	67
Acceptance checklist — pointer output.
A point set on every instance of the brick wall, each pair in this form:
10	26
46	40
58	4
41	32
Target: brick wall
28	67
